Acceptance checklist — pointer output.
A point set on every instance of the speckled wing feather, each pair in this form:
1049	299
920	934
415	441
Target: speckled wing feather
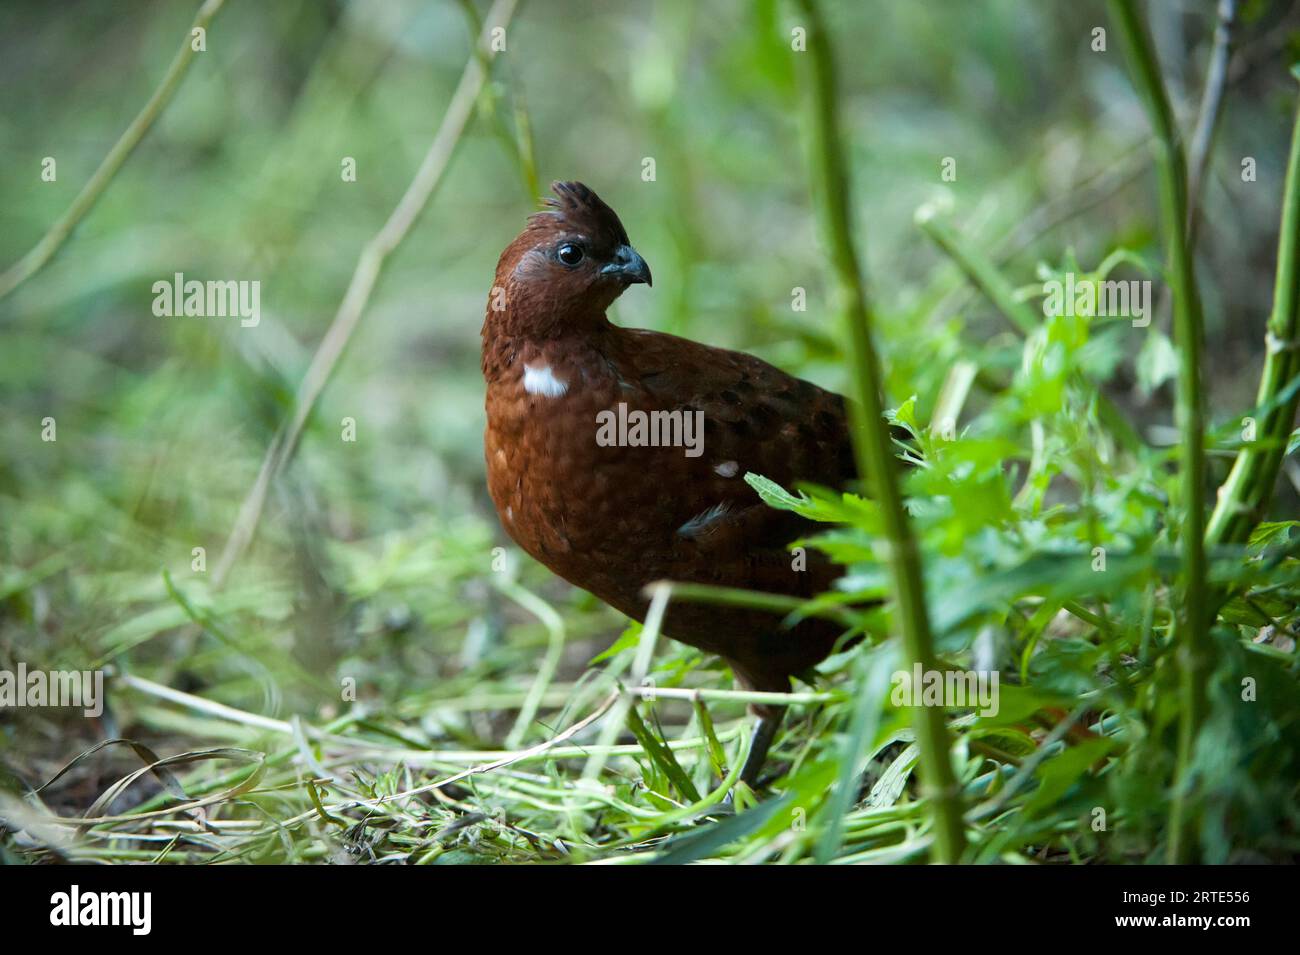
756	419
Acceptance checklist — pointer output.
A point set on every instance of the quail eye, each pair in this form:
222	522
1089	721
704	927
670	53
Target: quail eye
570	254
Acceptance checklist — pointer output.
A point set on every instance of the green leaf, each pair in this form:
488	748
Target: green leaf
1157	361
904	416
1016	704
1269	533
661	756
774	495
707	841
871	687
629	638
1059	773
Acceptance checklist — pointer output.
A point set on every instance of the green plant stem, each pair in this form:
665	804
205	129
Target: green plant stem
871	438
1245	495
369	268
979	269
49	244
519	141
1207	119
554	625
1192	630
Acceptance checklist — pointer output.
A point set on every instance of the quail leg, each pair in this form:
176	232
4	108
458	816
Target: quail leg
764	732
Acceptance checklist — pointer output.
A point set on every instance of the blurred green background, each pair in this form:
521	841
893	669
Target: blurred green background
373	559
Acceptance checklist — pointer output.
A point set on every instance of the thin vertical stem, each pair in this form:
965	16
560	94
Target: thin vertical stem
1245	495
53	240
871	438
369	267
1207	120
1192	626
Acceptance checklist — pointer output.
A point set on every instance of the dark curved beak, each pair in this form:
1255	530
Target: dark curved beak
628	266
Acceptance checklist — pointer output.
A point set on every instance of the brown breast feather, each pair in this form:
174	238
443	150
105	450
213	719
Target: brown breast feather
612	519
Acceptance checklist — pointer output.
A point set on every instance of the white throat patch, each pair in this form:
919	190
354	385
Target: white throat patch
542	381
